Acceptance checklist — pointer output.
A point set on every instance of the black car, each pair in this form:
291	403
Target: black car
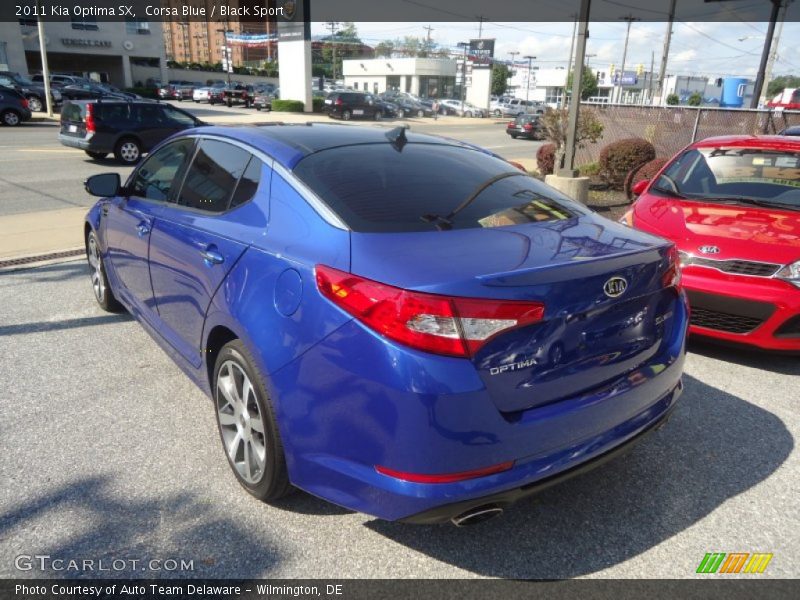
357	105
126	128
33	92
92	91
13	107
60	80
528	127
407	107
793	130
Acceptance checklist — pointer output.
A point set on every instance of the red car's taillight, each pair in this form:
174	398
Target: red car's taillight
448	325
672	276
90	127
527	127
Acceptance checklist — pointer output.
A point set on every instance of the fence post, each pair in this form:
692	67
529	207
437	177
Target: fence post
696	125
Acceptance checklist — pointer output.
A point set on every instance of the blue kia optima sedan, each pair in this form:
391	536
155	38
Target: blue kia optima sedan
404	325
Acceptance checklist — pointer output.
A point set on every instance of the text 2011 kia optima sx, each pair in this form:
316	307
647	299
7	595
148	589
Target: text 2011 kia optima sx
404	325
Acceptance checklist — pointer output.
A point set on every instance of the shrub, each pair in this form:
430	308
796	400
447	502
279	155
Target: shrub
589	169
647	171
617	159
696	99
287	105
673	100
555	124
318	104
546	159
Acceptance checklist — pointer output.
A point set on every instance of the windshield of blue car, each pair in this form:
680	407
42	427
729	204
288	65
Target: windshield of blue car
376	188
757	176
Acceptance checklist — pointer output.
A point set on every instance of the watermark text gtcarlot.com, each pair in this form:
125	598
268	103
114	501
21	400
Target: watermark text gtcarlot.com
47	563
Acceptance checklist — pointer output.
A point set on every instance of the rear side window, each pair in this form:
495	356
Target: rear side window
425	187
213	175
248	184
113	112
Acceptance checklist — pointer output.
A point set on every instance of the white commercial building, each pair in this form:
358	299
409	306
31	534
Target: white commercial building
103	50
425	77
541	85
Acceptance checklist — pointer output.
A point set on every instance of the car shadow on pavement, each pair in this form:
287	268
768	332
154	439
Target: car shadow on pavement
124	529
715	447
774	362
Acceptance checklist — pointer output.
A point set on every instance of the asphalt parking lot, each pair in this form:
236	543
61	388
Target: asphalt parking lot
111	453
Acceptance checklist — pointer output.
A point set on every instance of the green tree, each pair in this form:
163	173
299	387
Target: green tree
555	123
588	86
412	45
384	48
343	44
696	99
500	75
777	85
673	100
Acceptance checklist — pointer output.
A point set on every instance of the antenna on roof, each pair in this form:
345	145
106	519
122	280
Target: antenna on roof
397	136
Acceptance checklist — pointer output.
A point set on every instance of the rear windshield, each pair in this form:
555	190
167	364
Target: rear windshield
73	112
425	187
735	175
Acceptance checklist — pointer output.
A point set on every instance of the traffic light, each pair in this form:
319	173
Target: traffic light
611	69
640	70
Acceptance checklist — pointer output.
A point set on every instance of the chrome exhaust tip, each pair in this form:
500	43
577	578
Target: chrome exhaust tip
477	515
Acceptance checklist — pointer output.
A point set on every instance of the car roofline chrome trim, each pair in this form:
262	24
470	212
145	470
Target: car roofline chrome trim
319	206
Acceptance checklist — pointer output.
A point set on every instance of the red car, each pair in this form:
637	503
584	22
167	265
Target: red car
732	207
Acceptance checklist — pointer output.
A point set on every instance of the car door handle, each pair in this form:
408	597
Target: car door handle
211	257
142	229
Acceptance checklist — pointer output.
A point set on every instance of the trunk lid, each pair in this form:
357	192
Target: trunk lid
588	337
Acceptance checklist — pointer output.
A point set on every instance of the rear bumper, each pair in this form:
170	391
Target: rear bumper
75	142
443	514
755	311
366	402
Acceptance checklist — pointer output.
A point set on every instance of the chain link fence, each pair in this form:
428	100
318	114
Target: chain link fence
671	128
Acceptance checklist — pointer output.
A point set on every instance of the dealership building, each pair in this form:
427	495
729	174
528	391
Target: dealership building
425	77
103	50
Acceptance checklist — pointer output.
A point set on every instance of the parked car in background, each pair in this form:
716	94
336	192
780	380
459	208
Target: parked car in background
794	130
126	128
358	105
164	91
426	334
34	93
406	106
732	207
184	90
14	108
239	93
60	80
93	91
461	109
216	94
528	127
262	100
788	99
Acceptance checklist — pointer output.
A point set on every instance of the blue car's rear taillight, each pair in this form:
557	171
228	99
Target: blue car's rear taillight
435	323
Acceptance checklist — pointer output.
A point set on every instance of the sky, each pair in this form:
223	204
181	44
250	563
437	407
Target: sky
708	48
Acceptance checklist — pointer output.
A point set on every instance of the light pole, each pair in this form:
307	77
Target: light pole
464	45
228	55
513	63
332	25
528	83
630	19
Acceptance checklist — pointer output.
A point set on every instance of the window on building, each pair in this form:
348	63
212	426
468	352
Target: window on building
137	26
3	57
355	85
553	95
374	87
85	23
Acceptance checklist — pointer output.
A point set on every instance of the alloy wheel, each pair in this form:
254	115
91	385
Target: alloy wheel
96	265
11	118
241	422
34	104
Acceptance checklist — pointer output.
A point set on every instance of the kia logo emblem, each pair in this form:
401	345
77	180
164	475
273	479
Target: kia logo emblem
709	249
615	287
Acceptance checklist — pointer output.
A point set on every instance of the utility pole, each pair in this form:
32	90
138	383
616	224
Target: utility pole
571	51
332	25
650	76
630	19
773	53
481	19
528	83
577	80
464	45
429	28
762	67
662	72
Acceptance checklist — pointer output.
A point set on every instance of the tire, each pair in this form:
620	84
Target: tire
498	113
128	151
230	103
468	114
378	115
258	107
35	104
102	289
513	136
255	457
346	115
401	113
11	118
247	103
96	155
420	113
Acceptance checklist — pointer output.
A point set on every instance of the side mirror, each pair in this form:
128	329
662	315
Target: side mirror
103	185
640	186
